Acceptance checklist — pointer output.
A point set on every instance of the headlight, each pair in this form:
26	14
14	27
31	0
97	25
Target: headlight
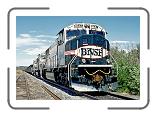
83	60
108	61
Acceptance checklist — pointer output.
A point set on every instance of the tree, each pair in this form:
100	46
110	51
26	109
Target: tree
128	69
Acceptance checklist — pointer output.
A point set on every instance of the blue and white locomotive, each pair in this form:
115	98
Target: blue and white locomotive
80	58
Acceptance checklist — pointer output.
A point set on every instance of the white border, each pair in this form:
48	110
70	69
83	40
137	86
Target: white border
66	105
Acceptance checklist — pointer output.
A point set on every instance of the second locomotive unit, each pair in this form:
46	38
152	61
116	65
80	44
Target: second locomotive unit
79	58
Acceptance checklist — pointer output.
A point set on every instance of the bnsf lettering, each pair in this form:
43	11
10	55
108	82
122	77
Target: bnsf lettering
91	51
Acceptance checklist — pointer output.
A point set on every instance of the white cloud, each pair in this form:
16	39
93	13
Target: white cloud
116	41
24	62
28	47
28	40
32	31
35	51
123	42
28	55
25	35
124	45
46	36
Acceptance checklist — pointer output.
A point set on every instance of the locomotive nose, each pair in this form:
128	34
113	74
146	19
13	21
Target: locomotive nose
91	46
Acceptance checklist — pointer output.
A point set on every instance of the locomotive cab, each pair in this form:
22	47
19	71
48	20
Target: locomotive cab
92	65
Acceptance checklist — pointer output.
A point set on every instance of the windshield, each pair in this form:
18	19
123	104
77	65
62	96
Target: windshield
94	40
72	33
96	32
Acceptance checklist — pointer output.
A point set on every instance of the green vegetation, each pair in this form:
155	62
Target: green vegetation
128	70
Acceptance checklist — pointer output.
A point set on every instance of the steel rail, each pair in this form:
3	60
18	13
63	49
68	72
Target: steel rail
51	93
120	96
85	94
67	89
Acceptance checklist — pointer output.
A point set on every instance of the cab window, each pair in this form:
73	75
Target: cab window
96	32
73	33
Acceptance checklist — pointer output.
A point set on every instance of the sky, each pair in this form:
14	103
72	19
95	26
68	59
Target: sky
34	34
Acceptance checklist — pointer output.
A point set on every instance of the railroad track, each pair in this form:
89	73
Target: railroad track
50	93
122	97
90	95
110	96
22	88
68	90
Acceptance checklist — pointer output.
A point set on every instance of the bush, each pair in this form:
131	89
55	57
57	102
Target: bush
128	70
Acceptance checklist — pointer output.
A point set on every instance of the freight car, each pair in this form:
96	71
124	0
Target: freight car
79	58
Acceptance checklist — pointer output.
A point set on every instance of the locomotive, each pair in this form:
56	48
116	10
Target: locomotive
79	58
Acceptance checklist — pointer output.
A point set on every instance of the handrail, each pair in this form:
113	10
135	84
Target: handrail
69	67
115	63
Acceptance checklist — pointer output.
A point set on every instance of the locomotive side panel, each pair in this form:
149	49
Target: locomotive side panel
53	56
61	56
